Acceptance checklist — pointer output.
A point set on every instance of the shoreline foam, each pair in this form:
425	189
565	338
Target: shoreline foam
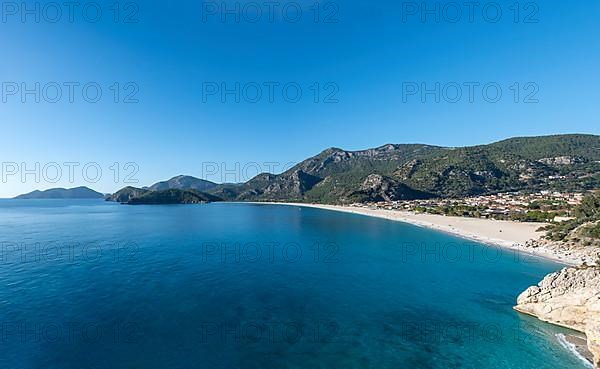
577	347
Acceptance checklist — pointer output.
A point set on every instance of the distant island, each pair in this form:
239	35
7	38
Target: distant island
63	193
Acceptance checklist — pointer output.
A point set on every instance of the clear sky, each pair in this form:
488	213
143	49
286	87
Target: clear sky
194	87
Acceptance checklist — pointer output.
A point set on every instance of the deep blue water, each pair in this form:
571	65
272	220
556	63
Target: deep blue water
89	284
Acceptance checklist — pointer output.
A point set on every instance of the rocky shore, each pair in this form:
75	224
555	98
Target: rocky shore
569	298
569	253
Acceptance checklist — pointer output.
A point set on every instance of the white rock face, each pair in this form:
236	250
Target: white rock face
570	298
593	331
560	160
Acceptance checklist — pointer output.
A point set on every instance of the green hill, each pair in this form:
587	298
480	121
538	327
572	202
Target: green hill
415	171
172	196
183	183
139	196
567	162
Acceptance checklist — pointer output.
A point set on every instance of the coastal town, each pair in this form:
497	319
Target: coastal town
543	206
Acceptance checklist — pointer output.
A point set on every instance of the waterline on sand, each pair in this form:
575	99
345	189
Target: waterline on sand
506	234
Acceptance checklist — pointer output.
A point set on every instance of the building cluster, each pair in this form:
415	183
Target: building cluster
503	205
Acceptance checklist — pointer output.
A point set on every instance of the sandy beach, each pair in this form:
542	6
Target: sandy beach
507	234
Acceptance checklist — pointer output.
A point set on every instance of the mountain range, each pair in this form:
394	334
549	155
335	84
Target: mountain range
412	171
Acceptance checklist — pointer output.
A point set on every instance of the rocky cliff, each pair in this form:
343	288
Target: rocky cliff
570	298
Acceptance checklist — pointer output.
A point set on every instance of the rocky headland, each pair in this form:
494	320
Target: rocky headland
569	298
140	196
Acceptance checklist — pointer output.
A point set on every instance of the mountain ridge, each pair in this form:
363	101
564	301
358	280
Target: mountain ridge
413	171
183	182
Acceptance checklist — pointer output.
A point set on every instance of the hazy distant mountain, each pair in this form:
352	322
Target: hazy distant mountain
63	193
183	183
414	171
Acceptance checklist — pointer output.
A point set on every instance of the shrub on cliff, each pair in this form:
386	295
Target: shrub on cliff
587	218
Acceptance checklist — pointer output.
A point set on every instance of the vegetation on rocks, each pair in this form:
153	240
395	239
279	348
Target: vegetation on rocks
586	223
417	171
403	172
140	196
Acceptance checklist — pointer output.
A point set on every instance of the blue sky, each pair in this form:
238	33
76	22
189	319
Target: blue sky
365	59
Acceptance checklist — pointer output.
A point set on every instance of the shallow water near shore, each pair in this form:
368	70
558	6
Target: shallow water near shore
89	284
577	344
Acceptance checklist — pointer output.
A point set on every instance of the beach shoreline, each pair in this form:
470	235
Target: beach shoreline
509	235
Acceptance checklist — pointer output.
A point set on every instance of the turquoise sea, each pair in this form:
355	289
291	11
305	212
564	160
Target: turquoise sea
89	284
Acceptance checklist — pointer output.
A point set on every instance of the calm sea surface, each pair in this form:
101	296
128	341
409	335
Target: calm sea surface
89	284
